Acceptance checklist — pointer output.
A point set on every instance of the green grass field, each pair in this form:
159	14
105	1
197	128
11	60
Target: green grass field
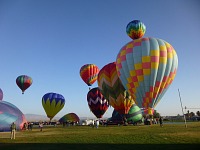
170	136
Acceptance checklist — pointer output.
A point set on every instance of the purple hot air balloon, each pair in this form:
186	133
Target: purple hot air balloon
1	94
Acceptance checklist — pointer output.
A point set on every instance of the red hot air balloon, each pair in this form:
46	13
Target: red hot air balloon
96	102
24	82
89	73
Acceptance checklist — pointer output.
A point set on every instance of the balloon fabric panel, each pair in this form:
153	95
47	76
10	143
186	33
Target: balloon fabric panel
146	67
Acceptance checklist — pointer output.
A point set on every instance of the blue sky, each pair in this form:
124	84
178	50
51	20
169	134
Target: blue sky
50	40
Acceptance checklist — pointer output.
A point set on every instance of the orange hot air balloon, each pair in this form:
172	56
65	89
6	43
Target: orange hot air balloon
88	73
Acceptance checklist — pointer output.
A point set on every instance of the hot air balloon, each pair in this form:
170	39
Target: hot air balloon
113	90
89	73
1	94
146	67
52	103
96	102
71	117
134	115
135	29
9	113
24	82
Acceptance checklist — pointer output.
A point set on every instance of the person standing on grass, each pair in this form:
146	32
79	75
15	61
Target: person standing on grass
41	126
97	123
31	126
13	129
161	121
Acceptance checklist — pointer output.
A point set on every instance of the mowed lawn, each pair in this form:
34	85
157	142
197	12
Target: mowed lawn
170	136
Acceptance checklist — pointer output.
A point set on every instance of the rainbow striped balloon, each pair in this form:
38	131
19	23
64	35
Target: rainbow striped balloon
88	73
71	117
135	29
113	90
24	82
146	67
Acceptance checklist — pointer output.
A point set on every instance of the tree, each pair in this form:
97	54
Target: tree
198	113
156	114
192	114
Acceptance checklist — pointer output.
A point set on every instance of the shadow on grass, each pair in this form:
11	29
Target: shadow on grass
49	146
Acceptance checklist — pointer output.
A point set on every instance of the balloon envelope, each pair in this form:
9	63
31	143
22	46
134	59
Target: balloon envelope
89	73
71	117
52	104
9	113
135	29
147	67
24	82
113	90
96	102
1	94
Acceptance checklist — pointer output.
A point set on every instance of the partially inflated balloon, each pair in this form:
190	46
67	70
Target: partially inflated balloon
113	90
24	82
147	67
9	113
134	115
135	29
96	102
52	103
1	94
71	117
89	73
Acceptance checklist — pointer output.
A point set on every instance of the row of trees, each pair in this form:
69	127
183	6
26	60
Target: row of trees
188	114
192	114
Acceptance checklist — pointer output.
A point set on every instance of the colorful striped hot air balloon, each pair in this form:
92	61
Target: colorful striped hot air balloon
113	90
52	103
96	102
146	67
89	73
71	117
24	82
135	29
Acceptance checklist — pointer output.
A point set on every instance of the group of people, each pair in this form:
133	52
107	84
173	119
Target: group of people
95	123
28	126
149	121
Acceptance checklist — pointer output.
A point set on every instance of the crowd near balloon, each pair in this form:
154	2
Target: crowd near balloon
133	84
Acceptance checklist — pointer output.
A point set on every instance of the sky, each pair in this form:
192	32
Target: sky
49	40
